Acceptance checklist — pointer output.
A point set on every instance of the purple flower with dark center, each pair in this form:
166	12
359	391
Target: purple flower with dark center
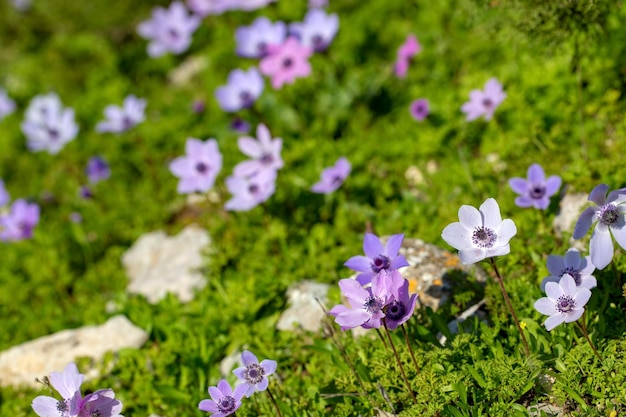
401	305
5	197
406	52
224	401
67	385
169	30
249	192
47	125
204	8
85	192
101	403
419	109
76	217
367	305
121	119
240	125
536	190
333	177
198	169
317	31
564	303
484	103
572	264
254	374
7	106
265	153
481	233
284	63
19	223
253	40
241	91
198	106
377	258
97	170
609	215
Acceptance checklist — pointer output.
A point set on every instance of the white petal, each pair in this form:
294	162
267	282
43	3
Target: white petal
491	214
554	321
545	306
574	315
553	290
470	217
581	297
457	236
471	256
505	231
601	247
568	284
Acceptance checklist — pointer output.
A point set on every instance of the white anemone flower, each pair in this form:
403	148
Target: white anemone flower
564	302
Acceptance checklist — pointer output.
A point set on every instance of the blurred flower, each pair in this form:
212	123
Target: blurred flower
332	177
101	403
241	91
121	119
564	302
198	169
224	401
85	192
480	233
249	192
47	125
253	40
535	191
198	106
572	264
484	103
7	106
21	5
169	30
76	217
609	215
97	170
400	306
254	374
240	125
366	304
249	5
67	385
265	153
5	197
419	109
286	62
209	7
317	30
318	3
406	52
377	258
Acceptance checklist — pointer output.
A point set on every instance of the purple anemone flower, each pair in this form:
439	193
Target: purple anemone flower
204	8
169	30
19	223
121	119
241	91
101	403
317	31
240	125
67	385
224	401
254	374
572	264
284	63
332	177
536	190
48	125
5	197
97	170
419	109
609	215
406	52
401	305
377	258
564	303
249	192
7	106
484	103
265	153
253	41
198	169
366	304
249	5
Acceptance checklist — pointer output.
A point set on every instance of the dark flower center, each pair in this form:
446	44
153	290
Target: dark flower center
287	62
95	414
54	134
565	304
173	34
337	179
63	407
262	48
253	189
226	404
487	102
484	237
202	168
254	373
318	41
267	158
395	310
373	304
537	191
246	99
608	214
574	273
127	123
379	263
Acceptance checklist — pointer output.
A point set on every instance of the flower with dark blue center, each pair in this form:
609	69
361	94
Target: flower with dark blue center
224	401
537	189
241	91
377	258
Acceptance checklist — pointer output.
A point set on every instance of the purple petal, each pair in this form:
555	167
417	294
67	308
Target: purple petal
248	358
550	278
372	247
553	183
239	392
216	394
250	147
518	185
555	264
224	387
393	245
399	262
601	247
457	236
491	214
365	278
269	366
352	290
584	222
619	233
598	194
262	386
545	306
536	175
524	201
554	321
571	259
240	372
208	405
352	318
45	406
470	217
359	263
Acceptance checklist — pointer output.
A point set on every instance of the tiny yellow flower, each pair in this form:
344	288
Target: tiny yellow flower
522	325
613	414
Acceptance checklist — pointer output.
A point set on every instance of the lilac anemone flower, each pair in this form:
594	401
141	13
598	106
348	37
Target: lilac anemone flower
249	192
241	91
254	374
224	401
377	258
19	223
253	40
564	303
572	264
265	153
401	305
609	215
284	63
198	169
332	177
484	103
121	119
97	170
67	385
169	30
204	8
406	52
419	109
317	31
366	304
101	403
536	190
48	125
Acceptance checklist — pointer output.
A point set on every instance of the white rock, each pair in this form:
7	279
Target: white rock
304	311
21	364
570	209
157	264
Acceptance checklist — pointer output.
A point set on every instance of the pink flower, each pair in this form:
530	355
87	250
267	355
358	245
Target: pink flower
407	50
286	62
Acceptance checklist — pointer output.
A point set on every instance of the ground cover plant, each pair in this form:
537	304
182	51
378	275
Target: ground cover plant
307	130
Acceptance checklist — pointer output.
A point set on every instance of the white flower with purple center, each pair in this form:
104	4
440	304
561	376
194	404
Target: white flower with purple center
484	103
121	119
564	303
48	126
224	401
377	258
198	169
253	40
169	30
366	304
249	192
332	177
241	91
254	374
572	264
609	218
481	233
537	189
7	106
264	151
317	31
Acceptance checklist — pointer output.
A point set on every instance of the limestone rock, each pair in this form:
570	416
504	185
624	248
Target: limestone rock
544	409
570	208
21	364
304	311
157	264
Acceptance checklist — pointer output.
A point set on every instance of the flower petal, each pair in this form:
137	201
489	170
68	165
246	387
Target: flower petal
518	185
545	306
554	321
619	232
505	231
598	194
553	290
269	366
535	174
588	282
208	405
553	183
359	263
574	315
471	256
550	278
601	247
248	358
582	296
470	217
572	259
457	235
583	224
372	247
393	245
555	264
568	284
491	213
352	318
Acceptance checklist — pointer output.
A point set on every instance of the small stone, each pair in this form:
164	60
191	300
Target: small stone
190	68
229	363
157	264
473	311
304	310
21	364
545	409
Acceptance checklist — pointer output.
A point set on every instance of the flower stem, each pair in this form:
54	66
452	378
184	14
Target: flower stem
583	327
509	305
408	344
382	337
395	353
274	401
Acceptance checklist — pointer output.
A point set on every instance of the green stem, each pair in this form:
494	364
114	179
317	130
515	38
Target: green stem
583	327
274	402
395	353
408	344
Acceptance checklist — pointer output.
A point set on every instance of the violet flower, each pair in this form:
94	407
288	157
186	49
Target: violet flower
47	125
536	190
241	91
169	30
419	109
406	52
254	374
377	258
332	177
317	31
609	215
5	197
101	403
204	8
265	153
121	119
253	40
224	401
249	5
7	106
401	305
97	170
239	125
484	103
249	192
572	264
284	63
198	169
481	233
317	3
564	303
19	223
366	304
67	385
